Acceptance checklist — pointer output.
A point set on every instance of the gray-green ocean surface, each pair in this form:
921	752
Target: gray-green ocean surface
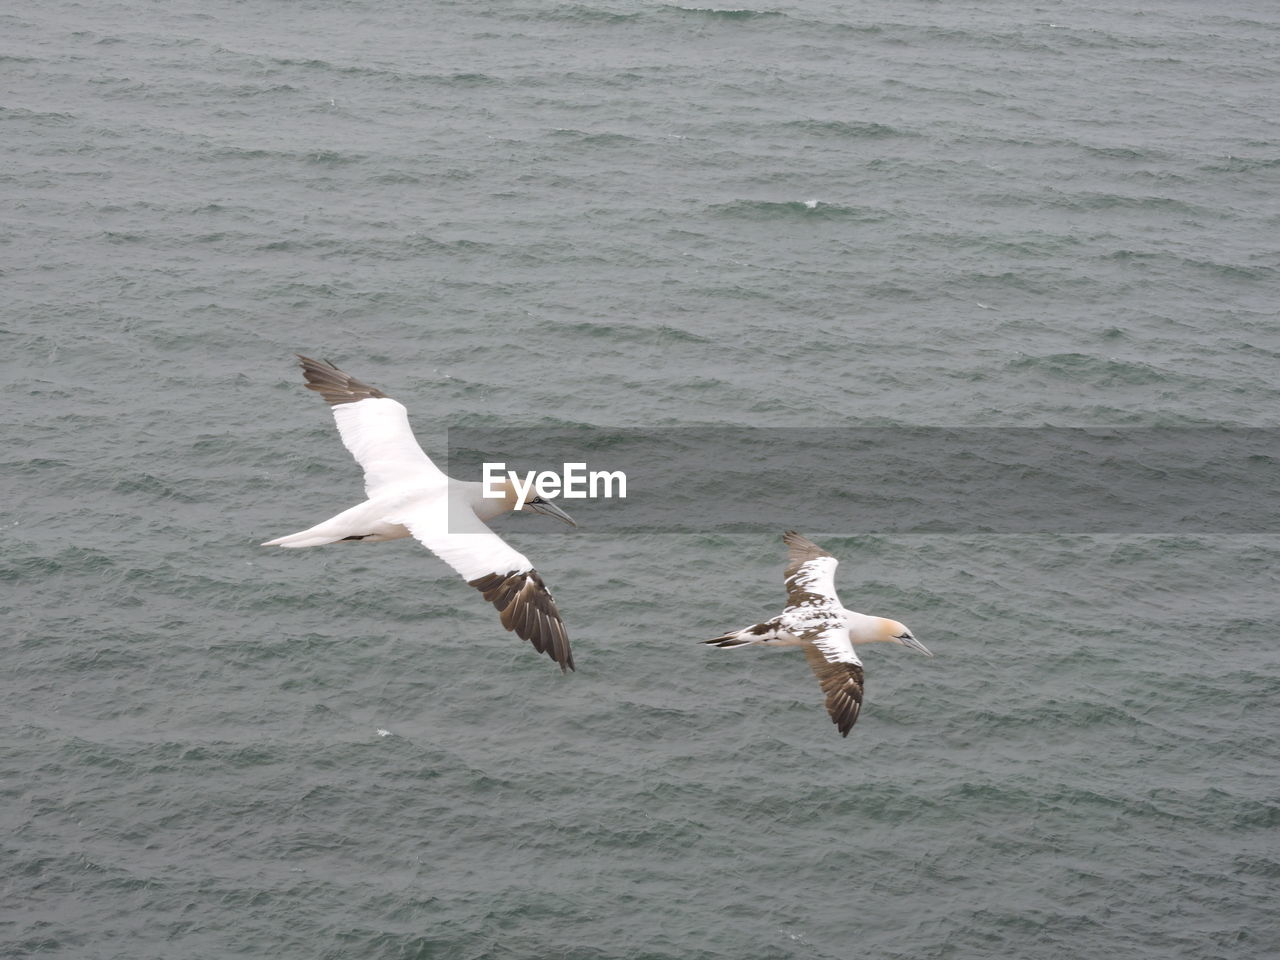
635	215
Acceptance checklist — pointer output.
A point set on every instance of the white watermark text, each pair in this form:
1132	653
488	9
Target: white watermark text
576	482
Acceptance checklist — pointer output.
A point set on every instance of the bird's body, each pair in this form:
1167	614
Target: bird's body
815	620
409	496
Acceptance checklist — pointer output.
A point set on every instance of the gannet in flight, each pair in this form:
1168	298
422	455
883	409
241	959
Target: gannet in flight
815	620
410	496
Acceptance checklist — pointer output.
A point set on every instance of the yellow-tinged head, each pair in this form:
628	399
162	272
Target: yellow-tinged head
891	631
509	499
533	501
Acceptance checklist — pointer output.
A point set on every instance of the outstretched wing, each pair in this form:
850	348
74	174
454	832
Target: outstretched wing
373	427
501	573
839	673
810	576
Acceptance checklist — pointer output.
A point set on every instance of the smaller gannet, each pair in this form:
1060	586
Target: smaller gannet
815	620
409	496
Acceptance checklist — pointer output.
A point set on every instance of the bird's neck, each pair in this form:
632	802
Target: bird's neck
864	629
486	508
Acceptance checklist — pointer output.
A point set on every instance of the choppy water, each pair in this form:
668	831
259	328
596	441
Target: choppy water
807	214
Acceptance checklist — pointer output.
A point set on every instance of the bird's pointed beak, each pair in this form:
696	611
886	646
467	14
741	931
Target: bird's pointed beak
549	509
909	641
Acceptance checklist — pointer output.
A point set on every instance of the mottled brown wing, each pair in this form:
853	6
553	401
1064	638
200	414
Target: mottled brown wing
526	606
810	574
841	681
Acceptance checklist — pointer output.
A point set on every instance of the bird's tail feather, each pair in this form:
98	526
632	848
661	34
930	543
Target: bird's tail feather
741	638
355	523
305	538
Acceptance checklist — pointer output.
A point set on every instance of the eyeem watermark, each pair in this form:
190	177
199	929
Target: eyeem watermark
575	483
889	480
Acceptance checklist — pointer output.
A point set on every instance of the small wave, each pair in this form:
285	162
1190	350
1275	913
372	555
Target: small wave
582	13
847	129
1232	271
1130	256
115	236
22	113
1115	201
600	139
396	177
246	90
1257	865
332	157
313	63
1240	164
1080	366
788	209
627	332
731	13
154	488
472	79
1126	153
71	560
420	243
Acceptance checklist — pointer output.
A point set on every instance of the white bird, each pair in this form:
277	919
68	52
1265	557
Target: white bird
409	496
815	619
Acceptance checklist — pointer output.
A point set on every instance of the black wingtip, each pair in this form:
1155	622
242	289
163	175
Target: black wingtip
336	386
526	607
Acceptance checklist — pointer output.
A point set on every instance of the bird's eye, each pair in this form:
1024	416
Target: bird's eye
537	500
